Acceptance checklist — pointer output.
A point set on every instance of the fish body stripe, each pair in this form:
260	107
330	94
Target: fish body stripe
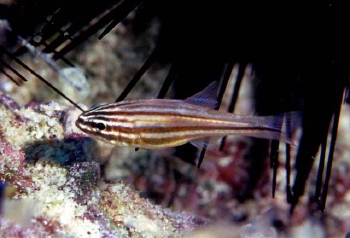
162	123
154	111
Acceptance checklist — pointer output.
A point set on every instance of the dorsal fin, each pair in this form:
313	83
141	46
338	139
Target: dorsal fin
205	98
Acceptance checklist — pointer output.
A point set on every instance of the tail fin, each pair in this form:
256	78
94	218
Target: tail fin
282	126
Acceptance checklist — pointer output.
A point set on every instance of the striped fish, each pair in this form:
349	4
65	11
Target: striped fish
160	123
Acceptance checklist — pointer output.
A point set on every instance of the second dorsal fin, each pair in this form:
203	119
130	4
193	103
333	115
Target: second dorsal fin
205	98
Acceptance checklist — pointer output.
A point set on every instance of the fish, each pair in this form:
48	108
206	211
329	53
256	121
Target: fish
162	123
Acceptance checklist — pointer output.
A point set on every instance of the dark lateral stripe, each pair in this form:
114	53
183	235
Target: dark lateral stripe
113	105
186	131
161	142
159	106
116	116
120	137
139	104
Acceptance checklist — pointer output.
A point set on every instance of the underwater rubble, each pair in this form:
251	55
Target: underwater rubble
56	184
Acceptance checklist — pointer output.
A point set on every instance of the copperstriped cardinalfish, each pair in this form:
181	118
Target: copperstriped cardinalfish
160	123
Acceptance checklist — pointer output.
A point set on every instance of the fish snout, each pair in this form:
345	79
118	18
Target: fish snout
81	124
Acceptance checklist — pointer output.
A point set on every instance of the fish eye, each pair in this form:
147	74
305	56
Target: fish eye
99	125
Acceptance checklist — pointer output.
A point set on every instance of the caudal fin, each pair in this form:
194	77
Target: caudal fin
282	126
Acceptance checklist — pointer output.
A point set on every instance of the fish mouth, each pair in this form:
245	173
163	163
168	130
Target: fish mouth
80	124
